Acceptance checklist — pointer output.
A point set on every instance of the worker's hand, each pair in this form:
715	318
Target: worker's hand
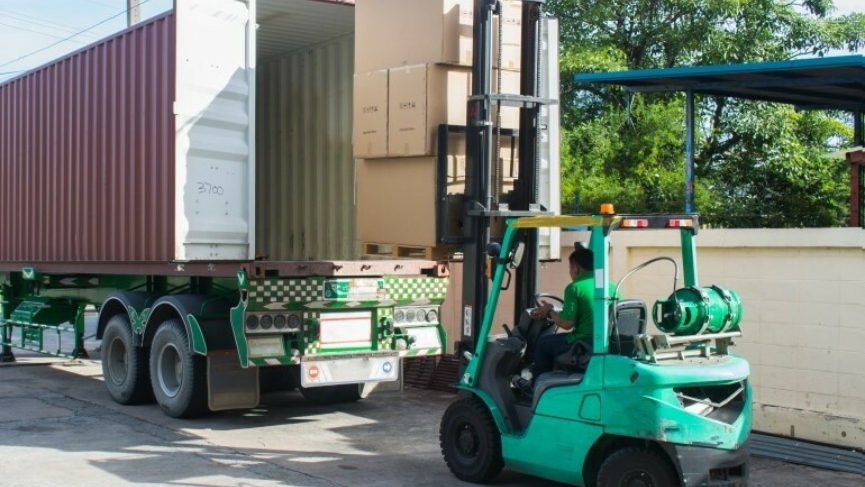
542	311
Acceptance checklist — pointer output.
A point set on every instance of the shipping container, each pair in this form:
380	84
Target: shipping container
154	146
192	178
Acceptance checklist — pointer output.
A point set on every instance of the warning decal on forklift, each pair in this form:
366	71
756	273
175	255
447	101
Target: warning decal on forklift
467	321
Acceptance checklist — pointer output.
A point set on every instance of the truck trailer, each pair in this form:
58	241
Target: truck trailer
192	178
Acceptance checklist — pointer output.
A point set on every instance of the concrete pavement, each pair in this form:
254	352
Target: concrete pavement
59	426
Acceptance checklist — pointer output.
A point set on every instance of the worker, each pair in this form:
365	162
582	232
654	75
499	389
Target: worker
576	315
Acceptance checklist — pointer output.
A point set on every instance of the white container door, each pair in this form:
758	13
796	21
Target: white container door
214	114
549	239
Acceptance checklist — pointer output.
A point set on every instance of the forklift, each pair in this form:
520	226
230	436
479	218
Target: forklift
625	409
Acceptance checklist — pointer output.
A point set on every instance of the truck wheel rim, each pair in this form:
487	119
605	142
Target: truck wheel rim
118	368
170	370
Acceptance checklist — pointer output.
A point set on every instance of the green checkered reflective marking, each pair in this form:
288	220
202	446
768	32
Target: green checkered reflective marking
385	340
278	294
413	288
310	333
284	293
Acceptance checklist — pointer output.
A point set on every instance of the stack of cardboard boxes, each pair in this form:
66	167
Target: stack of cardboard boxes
412	73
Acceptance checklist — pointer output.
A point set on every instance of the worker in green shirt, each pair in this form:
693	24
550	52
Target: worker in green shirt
576	315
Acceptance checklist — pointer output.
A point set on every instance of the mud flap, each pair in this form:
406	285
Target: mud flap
229	386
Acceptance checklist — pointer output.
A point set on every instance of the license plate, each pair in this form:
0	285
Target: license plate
346	330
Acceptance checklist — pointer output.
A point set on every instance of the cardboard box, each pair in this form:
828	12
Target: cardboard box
510	86
387	38
396	201
419	99
422	97
511	53
391	33
370	114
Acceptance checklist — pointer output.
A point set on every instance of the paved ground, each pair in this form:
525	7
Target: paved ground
59	427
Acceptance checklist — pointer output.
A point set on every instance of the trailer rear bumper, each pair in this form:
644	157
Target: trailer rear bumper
318	371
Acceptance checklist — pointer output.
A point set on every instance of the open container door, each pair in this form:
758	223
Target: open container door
214	115
549	239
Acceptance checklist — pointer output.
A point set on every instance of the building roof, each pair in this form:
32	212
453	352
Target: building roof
823	83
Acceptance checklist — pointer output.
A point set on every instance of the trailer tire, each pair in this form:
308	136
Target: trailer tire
470	441
179	377
632	464
331	394
124	366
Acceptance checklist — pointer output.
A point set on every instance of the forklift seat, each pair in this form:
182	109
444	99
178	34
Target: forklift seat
631	317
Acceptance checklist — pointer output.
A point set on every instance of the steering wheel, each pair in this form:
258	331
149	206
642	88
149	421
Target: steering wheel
552	297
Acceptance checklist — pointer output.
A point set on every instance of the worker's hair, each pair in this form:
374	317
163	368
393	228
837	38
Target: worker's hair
582	257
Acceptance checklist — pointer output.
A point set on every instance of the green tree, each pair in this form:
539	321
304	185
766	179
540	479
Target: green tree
757	164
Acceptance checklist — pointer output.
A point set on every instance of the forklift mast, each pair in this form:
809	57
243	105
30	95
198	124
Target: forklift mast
482	180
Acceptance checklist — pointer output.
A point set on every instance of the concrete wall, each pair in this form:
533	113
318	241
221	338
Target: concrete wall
803	326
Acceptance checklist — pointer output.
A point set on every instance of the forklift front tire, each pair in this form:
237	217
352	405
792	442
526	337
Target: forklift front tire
636	466
470	441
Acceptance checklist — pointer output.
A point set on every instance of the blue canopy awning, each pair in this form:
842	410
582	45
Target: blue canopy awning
834	83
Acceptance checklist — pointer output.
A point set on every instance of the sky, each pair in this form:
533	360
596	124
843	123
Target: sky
27	26
33	32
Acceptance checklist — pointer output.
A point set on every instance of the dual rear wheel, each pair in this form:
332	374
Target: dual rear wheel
166	371
176	378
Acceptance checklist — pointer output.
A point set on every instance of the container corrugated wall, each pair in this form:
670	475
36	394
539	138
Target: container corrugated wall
304	165
87	153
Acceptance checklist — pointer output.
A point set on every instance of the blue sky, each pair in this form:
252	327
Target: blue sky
27	26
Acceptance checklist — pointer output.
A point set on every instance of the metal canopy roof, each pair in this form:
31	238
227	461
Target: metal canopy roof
823	83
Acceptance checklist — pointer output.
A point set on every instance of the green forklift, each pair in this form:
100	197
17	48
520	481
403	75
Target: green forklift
628	408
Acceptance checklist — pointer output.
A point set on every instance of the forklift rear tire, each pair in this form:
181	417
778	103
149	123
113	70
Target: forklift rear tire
124	366
470	441
636	466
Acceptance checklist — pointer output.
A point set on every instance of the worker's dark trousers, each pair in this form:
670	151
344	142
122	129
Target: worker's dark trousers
546	351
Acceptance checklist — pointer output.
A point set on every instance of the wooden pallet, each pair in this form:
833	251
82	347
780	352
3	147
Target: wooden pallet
419	372
397	251
446	375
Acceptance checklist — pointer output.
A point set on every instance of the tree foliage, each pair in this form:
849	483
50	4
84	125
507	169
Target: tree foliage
757	164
